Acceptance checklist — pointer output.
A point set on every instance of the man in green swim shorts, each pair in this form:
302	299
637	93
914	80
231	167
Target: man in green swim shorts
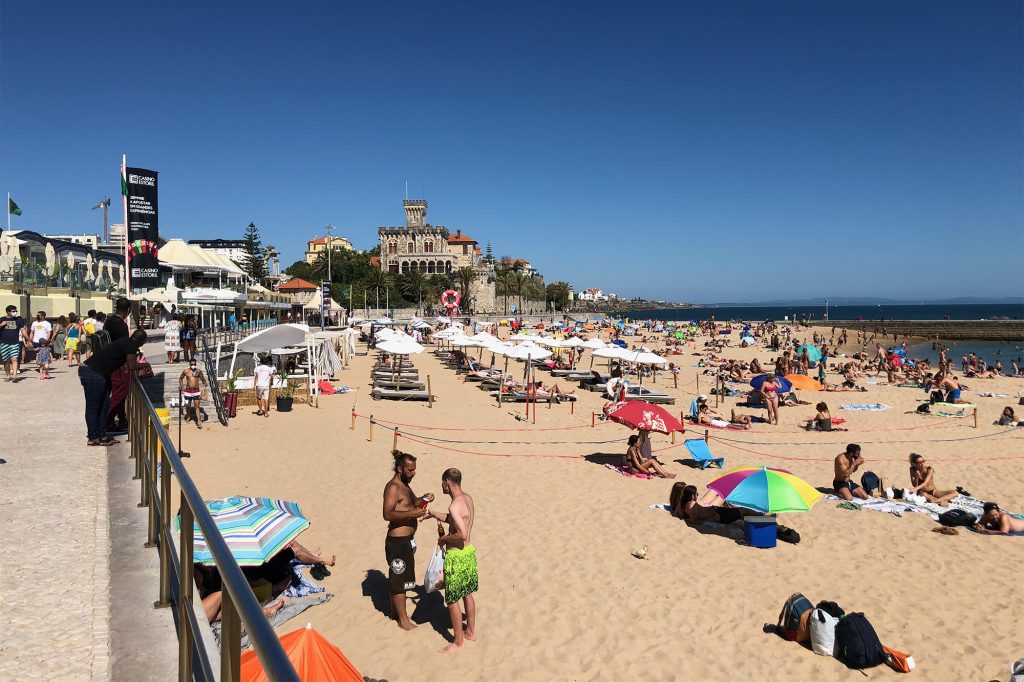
460	574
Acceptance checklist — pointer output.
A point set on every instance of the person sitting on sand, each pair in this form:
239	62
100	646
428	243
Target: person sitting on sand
210	587
922	482
635	463
709	507
822	421
995	521
1008	418
755	367
846	464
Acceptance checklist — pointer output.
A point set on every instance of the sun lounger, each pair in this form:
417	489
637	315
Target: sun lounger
701	453
387	374
392	394
407	384
644	393
522	397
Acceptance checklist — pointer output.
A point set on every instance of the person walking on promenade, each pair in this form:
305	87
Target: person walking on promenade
10	341
94	375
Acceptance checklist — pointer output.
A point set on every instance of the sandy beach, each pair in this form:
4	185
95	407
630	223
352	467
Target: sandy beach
561	598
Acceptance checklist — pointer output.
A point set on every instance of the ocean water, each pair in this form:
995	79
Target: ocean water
984	311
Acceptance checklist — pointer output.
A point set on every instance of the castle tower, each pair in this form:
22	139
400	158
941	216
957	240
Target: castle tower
415	212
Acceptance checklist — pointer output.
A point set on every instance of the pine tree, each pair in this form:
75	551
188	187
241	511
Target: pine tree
489	255
252	261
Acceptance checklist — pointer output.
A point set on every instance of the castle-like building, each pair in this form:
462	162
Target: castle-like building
434	249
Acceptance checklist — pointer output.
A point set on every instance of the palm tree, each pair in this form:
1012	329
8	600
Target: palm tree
519	281
379	280
505	287
414	285
465	277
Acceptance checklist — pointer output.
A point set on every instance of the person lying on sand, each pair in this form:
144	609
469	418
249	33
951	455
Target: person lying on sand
922	482
1008	418
635	463
741	420
210	587
684	504
845	465
994	521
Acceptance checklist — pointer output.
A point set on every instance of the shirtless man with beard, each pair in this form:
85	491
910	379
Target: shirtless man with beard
402	511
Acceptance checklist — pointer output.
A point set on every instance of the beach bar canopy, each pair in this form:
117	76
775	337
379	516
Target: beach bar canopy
278	336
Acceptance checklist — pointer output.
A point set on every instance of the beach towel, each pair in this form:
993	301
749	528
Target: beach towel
301	586
291	609
874	407
325	387
986	394
623	471
971	505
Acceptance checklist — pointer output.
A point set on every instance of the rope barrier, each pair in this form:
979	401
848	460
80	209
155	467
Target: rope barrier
455	428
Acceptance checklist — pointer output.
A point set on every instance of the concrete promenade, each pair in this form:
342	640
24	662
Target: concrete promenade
77	585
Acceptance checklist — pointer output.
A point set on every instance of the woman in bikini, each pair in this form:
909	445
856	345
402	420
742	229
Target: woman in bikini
770	391
922	481
635	463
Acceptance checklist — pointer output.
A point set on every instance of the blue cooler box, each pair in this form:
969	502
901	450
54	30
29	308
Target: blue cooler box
761	531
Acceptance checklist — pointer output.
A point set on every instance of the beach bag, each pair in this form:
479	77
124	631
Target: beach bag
435	571
823	632
957	517
831	608
899	661
924	408
794	618
871	482
937	397
857	645
145	370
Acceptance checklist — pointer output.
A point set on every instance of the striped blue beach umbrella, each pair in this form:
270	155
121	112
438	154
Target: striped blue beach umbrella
255	528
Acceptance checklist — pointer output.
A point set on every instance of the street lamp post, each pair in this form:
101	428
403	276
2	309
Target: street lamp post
330	247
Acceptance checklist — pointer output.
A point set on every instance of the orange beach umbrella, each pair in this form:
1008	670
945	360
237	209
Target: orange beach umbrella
313	656
803	382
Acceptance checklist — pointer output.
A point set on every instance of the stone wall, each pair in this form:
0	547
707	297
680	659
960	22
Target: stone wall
953	330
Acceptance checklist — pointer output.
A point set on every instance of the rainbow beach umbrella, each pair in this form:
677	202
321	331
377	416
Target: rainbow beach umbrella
255	528
769	491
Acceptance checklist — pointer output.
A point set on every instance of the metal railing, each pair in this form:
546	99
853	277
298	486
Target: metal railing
210	363
156	461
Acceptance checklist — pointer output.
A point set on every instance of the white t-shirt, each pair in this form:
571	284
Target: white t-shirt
40	330
262	373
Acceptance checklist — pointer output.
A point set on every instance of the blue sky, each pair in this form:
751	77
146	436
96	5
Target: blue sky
700	151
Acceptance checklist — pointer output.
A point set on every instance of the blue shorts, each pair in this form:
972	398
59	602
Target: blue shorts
954	394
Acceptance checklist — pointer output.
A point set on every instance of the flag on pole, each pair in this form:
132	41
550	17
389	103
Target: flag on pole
12	208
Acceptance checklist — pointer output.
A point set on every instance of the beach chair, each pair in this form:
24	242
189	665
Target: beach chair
701	453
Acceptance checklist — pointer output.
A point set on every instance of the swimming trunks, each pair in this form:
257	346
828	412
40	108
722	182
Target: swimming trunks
460	574
953	395
9	351
838	485
401	556
191	394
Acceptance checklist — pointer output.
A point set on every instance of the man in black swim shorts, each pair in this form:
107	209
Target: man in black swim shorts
402	511
846	464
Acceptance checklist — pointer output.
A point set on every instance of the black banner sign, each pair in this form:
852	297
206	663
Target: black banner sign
143	231
325	290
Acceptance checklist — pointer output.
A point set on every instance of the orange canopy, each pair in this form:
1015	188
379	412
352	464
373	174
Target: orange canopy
312	655
803	382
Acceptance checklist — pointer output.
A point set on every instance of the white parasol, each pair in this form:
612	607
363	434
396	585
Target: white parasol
88	268
51	258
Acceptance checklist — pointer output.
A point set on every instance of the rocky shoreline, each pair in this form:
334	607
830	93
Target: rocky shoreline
952	330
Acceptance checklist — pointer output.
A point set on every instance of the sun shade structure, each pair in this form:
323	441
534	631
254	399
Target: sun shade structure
311	654
400	346
641	415
270	338
769	491
813	352
785	386
255	528
803	382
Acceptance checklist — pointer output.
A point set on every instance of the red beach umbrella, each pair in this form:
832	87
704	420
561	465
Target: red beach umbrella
637	414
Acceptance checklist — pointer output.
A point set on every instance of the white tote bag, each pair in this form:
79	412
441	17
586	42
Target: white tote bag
435	570
823	632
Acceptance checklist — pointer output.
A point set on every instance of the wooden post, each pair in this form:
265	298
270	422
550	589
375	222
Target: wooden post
975	417
394	442
681	421
673	438
353	419
371	428
572	407
430	394
705	435
698	382
593	419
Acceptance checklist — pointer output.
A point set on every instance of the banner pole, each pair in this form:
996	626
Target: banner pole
8	211
124	236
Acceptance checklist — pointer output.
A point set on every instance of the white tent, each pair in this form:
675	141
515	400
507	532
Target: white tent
270	338
316	298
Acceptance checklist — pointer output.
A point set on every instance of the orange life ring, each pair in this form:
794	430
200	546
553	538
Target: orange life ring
454	294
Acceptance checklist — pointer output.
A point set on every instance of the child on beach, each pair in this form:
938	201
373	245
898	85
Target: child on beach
43	359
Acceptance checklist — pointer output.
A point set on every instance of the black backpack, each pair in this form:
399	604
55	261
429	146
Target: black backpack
957	517
870	481
831	608
857	645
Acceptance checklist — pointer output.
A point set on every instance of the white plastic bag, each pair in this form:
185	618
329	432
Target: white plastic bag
823	632
435	570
